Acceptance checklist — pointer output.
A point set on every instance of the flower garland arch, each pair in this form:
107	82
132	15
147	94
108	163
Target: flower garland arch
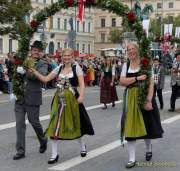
130	23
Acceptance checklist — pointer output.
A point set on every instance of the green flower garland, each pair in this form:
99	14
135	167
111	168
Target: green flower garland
130	22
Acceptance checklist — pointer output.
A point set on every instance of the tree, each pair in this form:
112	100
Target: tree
157	26
115	35
12	16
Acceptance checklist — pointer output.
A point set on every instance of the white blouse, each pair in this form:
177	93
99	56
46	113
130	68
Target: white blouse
79	71
130	70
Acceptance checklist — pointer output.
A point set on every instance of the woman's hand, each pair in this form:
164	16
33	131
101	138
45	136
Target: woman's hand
148	105
80	99
141	77
111	84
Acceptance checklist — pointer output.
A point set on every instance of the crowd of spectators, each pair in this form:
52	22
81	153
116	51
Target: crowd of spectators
91	68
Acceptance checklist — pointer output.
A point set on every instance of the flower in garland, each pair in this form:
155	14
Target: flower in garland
34	24
144	62
69	2
131	17
18	61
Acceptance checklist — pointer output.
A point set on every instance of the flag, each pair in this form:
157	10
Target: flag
177	33
146	25
81	4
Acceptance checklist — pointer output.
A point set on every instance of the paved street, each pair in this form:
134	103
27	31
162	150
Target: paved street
104	150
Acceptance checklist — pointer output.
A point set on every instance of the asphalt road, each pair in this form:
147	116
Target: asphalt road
105	152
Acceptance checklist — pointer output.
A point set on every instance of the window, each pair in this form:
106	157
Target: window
52	2
10	45
44	1
83	48
89	48
58	45
159	5
77	46
58	23
65	44
1	45
103	22
102	37
77	26
113	22
36	0
170	19
84	26
65	24
171	5
89	27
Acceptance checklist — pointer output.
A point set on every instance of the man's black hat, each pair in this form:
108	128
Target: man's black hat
37	44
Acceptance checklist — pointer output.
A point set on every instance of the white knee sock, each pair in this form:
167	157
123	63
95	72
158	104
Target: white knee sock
54	144
132	150
148	145
82	144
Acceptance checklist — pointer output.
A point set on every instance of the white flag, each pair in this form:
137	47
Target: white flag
146	25
168	28
177	34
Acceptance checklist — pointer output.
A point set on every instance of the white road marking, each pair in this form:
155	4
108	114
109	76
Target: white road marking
171	120
92	154
98	151
46	117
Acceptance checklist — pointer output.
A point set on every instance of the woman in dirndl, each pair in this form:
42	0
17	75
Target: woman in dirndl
108	92
138	123
68	117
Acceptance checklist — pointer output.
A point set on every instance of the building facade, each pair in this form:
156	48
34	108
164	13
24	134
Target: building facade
56	30
105	21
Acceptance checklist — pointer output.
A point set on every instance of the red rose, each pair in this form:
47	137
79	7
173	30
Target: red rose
145	61
69	2
18	61
131	17
34	24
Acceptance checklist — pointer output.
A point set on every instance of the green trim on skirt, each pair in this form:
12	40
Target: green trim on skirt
69	120
134	122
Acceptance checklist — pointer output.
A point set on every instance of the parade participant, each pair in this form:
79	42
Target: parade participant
68	117
108	92
30	104
159	77
175	81
138	123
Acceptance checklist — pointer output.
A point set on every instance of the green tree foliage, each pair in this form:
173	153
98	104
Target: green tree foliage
12	16
115	35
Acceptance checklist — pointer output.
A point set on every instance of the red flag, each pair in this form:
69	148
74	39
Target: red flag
81	4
